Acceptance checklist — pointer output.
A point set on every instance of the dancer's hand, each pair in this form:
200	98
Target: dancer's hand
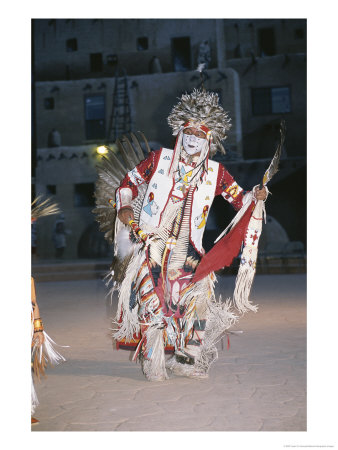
39	338
261	194
126	214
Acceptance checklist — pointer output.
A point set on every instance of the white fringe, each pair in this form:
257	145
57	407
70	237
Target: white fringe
244	280
130	323
247	268
47	348
201	293
220	318
179	369
154	367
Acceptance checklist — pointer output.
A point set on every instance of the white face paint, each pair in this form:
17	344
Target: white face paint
192	144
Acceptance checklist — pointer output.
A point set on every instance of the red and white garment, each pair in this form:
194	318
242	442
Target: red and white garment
161	189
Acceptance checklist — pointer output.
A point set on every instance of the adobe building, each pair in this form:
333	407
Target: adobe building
95	79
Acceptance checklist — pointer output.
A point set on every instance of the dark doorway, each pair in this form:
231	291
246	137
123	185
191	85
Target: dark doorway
84	194
267	41
181	54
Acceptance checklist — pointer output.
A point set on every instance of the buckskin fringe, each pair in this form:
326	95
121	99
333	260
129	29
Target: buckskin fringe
153	365
247	268
220	318
130	324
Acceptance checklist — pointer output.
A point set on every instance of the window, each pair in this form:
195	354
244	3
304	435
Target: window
280	100
96	62
271	100
48	103
51	189
142	44
84	194
95	116
267	41
71	45
180	48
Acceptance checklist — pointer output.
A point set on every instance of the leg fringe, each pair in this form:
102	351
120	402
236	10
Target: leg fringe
220	319
130	322
153	363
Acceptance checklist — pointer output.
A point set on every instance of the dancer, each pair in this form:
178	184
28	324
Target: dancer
42	350
166	199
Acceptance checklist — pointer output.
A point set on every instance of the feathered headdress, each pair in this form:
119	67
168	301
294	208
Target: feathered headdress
202	108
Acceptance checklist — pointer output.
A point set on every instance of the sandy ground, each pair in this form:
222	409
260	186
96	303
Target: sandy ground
259	384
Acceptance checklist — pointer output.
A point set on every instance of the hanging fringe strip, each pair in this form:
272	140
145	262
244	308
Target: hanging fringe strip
247	268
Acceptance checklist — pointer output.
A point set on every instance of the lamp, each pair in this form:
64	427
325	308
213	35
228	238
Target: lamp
101	150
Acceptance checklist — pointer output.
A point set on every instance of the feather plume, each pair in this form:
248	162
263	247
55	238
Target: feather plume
273	167
111	172
41	208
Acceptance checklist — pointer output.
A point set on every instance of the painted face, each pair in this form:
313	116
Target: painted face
193	140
